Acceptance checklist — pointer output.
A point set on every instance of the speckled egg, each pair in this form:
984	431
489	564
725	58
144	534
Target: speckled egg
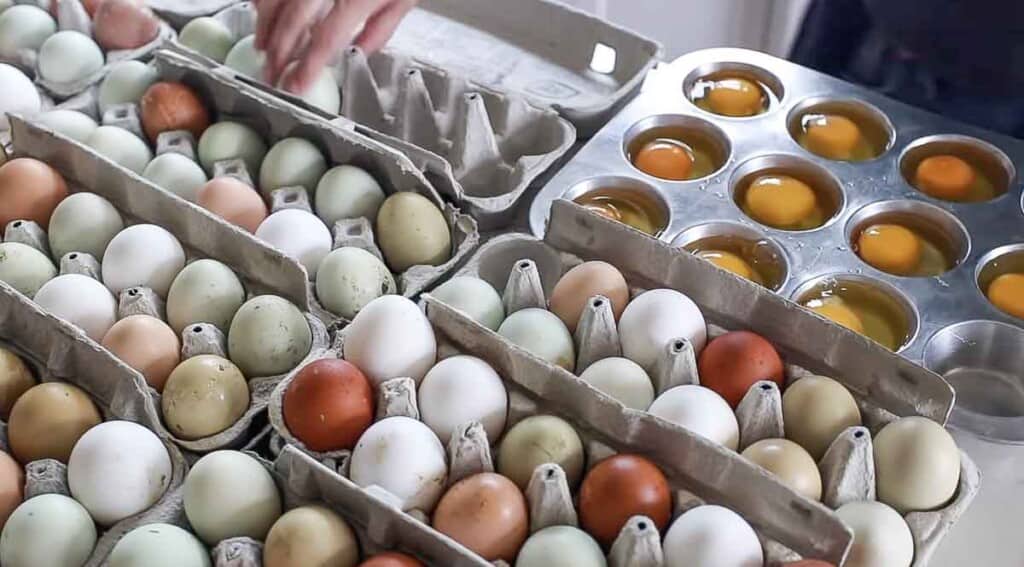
268	336
245	58
232	140
71	123
347	192
205	291
622	379
69	56
142	255
539	440
404	457
299	235
122	147
475	298
561	546
461	389
15	379
146	344
701	411
542	334
230	494
411	231
24	268
815	411
83	222
204	395
126	82
917	464
308	536
207	36
177	174
159	545
348	278
50	529
653	319
292	162
24	27
81	301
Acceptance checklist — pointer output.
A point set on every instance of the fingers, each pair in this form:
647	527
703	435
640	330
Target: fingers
266	14
335	31
382	25
293	19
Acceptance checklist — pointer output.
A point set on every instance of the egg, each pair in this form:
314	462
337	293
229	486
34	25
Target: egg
208	36
917	464
292	162
298	234
29	190
159	545
736	97
122	147
70	123
391	338
50	529
808	563
735	361
539	440
815	411
24	27
665	158
891	248
461	389
945	176
48	420
177	174
347	192
12	483
391	559
836	310
167	106
118	469
730	262
328	405
653	319
348	278
230	494
324	93
24	268
233	201
542	334
19	94
81	301
124	24
1007	293
126	82
782	201
404	457
486	513
699	410
881	538
69	57
832	136
475	298
712	536
203	396
790	463
268	336
560	546
15	380
205	291
623	380
618	488
146	344
142	255
574	290
310	535
83	222
231	140
411	231
245	58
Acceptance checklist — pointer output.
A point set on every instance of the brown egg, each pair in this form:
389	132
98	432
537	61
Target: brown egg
790	463
583	282
619	488
123	24
391	559
233	201
486	513
173	106
204	395
48	420
15	380
328	405
146	344
12	485
29	190
732	363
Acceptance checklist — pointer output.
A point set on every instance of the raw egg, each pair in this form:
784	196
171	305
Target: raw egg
328	405
49	529
310	536
146	344
372	340
268	336
48	420
475	298
816	410
733	96
538	440
542	334
203	396
12	483
391	559
712	536
891	248
15	380
579	285
836	310
231	140
665	158
124	24
833	136
459	390
143	255
230	494
170	106
233	201
733	362
24	268
623	380
81	301
880	535
83	222
205	291
700	410
790	463
784	202
486	513
654	319
731	263
29	190
632	208
412	231
159	545
945	177
862	307
404	457
1007	293
917	464
619	488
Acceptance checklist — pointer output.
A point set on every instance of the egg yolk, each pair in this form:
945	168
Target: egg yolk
891	248
735	97
729	262
836	310
945	177
1007	293
665	158
780	201
832	136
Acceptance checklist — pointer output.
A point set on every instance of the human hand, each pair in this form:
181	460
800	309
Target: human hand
282	24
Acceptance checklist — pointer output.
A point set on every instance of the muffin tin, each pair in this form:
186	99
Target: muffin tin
978	232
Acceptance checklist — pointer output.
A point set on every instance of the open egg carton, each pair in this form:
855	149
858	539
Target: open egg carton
485	126
884	385
947	316
180	12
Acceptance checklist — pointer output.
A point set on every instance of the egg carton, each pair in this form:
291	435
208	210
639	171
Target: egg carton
180	12
57	352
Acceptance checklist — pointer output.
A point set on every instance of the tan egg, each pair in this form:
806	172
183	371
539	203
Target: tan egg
583	282
48	420
815	410
204	395
12	486
412	231
233	201
15	380
308	536
789	462
146	344
917	464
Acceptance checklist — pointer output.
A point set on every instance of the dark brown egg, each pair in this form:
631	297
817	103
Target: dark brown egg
578	285
29	190
124	24
619	488
328	405
486	513
733	362
391	559
173	106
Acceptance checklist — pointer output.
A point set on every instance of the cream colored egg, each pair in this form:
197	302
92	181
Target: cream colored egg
390	338
245	58
231	140
143	255
230	494
122	147
83	222
881	538
348	278
623	380
539	440
80	300
177	174
24	268
411	231
308	536
542	334
268	336
790	463
205	291
816	410
298	234
701	411
159	545
655	318
292	162
347	192
71	123
126	82
207	36
475	298
24	27
917	464
204	395
48	530
69	56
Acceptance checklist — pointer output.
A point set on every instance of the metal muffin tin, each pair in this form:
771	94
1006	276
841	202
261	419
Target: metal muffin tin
979	232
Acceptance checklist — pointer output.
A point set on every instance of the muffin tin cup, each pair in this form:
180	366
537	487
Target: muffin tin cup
990	159
773	253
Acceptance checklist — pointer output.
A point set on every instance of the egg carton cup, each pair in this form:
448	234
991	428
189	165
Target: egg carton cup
180	12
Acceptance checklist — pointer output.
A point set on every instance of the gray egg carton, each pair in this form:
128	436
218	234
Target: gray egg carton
180	12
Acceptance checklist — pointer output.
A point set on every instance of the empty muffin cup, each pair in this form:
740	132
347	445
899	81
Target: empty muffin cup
624	199
841	130
676	147
735	90
786	192
908	238
957	168
1000	277
740	249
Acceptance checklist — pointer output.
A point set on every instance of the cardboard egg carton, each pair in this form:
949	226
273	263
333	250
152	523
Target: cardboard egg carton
180	12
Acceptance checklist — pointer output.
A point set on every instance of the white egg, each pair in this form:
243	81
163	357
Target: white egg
49	530
292	162
656	317
207	36
80	300
390	338
18	94
24	27
246	59
69	56
459	390
701	411
404	457
177	174
126	82
231	140
623	380
83	222
881	537
347	192
142	255
71	123
118	469
712	536
205	291
121	146
475	298
349	278
324	93
230	494
24	268
542	334
299	235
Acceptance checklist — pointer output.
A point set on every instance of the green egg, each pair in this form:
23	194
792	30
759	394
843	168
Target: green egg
49	529
541	333
231	140
177	174
83	222
71	123
24	268
159	545
292	162
245	58
24	27
349	278
126	82
474	297
69	56
268	336
411	231
207	36
122	147
347	192
205	291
